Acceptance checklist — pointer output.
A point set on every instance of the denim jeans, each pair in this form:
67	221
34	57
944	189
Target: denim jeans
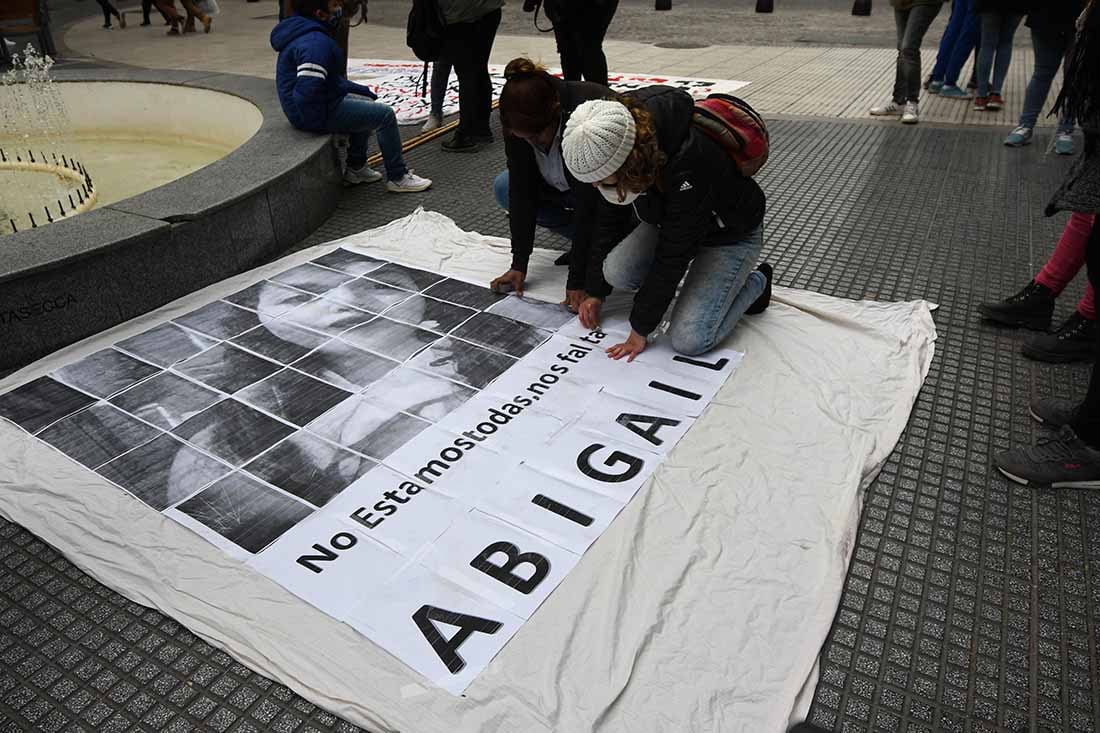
997	32
957	43
554	211
358	118
912	24
1050	48
720	285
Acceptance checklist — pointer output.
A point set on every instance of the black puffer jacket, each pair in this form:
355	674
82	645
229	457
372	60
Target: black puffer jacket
699	187
1055	15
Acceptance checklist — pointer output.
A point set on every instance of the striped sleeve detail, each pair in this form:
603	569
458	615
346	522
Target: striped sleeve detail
312	70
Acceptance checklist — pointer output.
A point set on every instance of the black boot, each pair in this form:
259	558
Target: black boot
1075	340
761	304
1031	308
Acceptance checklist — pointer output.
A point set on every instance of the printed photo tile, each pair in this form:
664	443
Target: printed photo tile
347	261
430	314
406	278
166	344
328	316
270	298
368	295
396	340
165	400
233	432
38	403
105	372
501	334
295	397
459	292
311	278
245	511
345	366
463	362
372	429
163	472
310	468
227	368
281	341
220	320
418	393
536	313
96	435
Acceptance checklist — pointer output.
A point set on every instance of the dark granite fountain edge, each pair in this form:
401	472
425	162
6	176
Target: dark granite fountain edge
74	278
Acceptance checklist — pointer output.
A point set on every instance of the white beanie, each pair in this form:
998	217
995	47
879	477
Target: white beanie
598	139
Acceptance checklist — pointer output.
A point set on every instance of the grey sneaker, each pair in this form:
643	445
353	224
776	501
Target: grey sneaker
890	109
1019	137
1061	462
362	174
911	116
1063	144
434	122
1054	412
409	183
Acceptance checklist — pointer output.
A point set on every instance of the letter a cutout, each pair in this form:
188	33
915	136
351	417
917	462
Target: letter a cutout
447	649
630	422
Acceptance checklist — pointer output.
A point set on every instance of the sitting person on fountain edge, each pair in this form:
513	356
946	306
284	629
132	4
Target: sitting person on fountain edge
316	96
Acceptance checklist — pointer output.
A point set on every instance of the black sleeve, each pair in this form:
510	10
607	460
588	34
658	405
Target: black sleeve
522	199
610	223
587	201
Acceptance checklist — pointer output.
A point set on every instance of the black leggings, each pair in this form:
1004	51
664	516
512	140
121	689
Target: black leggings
580	34
108	11
468	46
1087	424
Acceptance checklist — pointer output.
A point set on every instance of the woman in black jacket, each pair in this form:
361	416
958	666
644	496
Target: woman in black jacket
698	214
537	188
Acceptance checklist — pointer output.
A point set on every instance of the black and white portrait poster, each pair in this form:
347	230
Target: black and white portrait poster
407	452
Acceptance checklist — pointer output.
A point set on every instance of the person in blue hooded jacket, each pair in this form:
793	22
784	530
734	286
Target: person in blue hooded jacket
317	97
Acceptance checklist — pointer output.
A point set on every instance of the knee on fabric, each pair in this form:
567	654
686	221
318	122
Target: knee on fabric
689	341
500	190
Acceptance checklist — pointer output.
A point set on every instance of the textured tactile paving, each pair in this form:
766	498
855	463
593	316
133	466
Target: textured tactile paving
971	604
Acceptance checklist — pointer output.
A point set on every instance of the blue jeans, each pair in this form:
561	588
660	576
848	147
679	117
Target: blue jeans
720	285
1049	48
997	32
957	42
554	210
358	118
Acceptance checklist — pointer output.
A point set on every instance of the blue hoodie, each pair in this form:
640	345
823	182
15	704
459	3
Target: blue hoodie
310	73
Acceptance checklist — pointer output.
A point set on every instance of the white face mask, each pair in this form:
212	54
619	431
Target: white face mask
611	194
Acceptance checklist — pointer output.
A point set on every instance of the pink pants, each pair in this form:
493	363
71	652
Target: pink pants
1067	260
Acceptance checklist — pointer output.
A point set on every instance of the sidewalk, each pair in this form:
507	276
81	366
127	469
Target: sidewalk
832	82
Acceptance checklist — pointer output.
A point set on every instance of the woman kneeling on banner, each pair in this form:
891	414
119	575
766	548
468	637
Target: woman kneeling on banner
537	187
699	215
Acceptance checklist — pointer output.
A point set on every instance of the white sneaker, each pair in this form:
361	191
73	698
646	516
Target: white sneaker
363	174
912	114
434	122
410	183
890	109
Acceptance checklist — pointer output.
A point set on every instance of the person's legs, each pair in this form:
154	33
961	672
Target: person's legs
441	77
468	46
1087	422
950	38
901	22
500	189
592	36
572	66
358	118
964	45
920	18
105	6
627	265
720	286
193	12
486	34
1049	49
1068	256
1006	34
990	24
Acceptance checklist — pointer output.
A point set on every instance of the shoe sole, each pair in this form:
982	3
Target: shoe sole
1054	357
1054	485
357	183
1017	145
909	122
408	190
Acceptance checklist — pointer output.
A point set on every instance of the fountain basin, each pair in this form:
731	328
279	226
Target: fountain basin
262	187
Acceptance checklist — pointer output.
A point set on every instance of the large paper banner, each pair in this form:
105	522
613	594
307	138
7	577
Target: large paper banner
411	454
400	85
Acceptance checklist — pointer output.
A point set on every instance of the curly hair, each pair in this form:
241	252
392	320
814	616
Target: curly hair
529	102
643	166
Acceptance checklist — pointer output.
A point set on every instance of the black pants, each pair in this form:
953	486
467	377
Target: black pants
1087	424
468	47
580	34
108	11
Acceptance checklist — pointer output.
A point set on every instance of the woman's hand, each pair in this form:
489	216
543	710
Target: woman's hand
634	345
589	311
511	280
573	300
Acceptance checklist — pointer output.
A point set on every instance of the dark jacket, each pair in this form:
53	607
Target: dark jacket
1080	191
309	74
1055	15
699	187
1006	7
525	183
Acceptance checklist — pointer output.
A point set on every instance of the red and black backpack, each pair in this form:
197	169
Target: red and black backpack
737	127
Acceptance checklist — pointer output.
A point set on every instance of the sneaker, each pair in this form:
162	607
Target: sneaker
953	92
1063	144
1054	412
434	122
1074	340
1061	462
761	304
935	87
995	103
1019	137
981	103
409	183
462	144
362	174
890	109
912	114
1031	308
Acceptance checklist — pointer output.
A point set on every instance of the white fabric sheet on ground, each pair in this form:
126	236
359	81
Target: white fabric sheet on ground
702	607
400	85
